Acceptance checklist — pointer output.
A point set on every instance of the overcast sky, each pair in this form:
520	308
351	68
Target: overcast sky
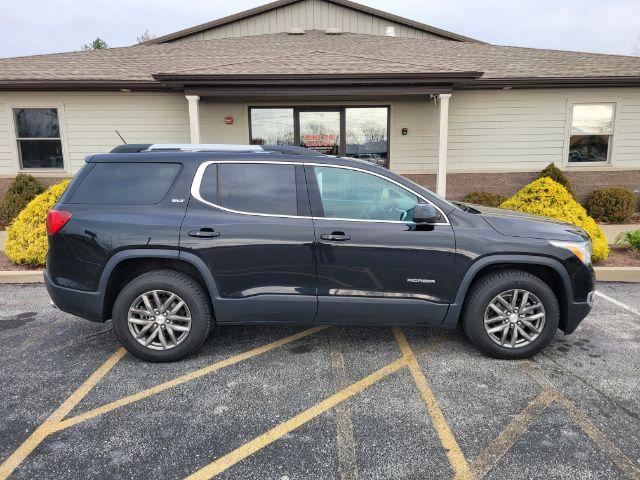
29	27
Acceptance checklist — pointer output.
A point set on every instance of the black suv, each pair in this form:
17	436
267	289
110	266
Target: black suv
167	240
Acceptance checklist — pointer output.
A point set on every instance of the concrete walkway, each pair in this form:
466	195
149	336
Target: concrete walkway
612	231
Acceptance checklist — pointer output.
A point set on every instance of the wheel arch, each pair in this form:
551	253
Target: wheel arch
128	264
547	269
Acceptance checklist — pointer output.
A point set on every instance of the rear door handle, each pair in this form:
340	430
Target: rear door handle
336	237
204	233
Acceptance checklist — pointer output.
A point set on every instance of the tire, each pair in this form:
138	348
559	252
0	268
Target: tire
176	344
507	284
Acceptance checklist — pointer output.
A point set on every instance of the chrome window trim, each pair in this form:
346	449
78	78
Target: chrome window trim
197	180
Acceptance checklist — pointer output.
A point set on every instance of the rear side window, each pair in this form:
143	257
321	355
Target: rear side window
252	187
125	183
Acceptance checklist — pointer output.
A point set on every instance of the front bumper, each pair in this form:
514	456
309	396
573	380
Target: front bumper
576	312
87	305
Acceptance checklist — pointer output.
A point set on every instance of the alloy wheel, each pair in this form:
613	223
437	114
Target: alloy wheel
514	318
159	320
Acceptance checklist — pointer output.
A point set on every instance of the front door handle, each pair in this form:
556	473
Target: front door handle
204	233
336	237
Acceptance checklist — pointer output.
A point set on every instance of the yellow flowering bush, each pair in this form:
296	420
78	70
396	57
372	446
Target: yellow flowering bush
550	199
27	236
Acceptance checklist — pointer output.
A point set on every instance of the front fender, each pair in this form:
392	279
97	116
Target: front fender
453	314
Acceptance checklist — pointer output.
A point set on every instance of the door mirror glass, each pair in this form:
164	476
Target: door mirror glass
425	213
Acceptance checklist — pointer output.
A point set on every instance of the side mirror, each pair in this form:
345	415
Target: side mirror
425	213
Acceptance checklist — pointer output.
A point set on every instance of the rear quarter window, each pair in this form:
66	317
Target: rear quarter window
125	184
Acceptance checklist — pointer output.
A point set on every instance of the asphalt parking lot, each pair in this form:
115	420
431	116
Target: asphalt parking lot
284	402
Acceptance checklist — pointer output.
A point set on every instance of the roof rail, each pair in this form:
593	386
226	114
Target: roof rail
206	147
203	147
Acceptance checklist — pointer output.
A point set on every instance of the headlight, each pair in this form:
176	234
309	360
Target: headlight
582	250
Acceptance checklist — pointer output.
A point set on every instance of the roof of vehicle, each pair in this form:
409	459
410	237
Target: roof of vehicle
198	153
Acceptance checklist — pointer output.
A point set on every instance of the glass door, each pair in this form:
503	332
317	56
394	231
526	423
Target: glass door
319	130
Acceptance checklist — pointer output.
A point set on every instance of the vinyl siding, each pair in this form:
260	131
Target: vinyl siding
310	15
489	131
525	130
89	121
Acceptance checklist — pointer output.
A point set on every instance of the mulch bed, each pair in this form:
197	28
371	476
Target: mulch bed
5	264
621	257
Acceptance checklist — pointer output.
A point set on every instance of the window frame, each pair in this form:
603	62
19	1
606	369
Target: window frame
572	103
326	108
197	180
13	138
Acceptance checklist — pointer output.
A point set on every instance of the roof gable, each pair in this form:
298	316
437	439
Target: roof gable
281	15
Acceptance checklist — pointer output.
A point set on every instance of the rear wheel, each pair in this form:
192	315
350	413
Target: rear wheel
510	314
162	316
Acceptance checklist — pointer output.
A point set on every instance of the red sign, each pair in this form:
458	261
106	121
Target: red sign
228	120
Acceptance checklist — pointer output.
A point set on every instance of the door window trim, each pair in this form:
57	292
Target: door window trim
197	180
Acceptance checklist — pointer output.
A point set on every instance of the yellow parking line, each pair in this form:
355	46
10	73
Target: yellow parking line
599	438
184	379
277	432
518	426
580	418
454	453
48	426
345	439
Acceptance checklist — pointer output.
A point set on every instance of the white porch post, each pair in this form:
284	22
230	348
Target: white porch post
194	117
441	183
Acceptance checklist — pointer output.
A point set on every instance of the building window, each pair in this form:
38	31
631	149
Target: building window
357	132
591	132
367	134
272	126
38	136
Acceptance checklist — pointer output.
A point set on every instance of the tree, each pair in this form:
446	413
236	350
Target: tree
145	37
97	44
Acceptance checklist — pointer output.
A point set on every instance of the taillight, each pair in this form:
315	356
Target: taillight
56	219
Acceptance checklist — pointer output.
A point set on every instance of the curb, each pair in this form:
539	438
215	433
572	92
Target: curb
21	276
618	274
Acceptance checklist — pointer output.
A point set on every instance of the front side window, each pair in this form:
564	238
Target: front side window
251	187
591	132
355	195
38	137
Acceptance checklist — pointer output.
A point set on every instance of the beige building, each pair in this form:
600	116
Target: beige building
450	112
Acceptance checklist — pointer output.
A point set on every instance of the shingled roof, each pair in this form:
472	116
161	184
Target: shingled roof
315	53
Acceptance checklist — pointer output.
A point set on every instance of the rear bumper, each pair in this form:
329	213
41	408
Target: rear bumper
87	305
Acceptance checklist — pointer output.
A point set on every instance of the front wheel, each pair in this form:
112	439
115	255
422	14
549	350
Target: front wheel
510	314
162	316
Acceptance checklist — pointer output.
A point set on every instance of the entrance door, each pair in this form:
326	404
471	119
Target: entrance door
320	130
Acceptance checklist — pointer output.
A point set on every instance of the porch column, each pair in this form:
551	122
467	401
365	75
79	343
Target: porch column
441	182
194	117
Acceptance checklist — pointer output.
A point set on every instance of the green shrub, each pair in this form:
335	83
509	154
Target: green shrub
27	242
557	175
550	199
611	205
484	198
21	191
629	239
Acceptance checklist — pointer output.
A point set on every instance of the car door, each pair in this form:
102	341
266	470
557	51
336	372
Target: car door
375	265
250	223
